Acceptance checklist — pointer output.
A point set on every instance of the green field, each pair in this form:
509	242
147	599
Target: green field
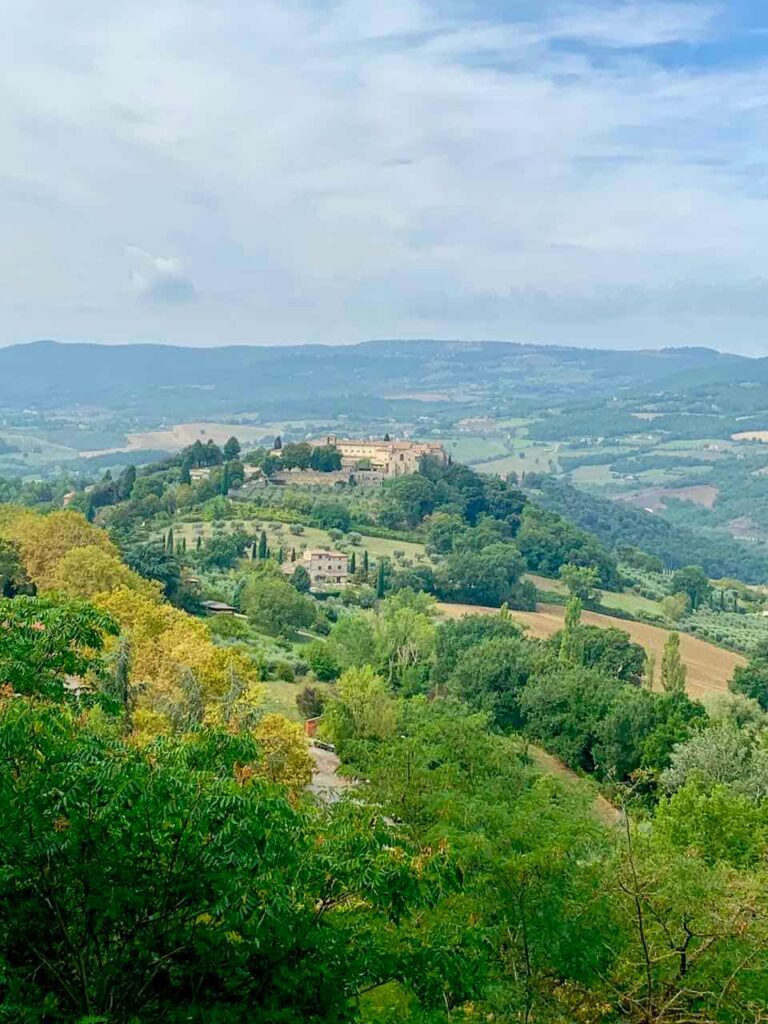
279	536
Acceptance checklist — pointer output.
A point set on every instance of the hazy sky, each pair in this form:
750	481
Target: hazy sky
211	171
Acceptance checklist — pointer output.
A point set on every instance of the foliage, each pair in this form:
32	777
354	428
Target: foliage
274	606
673	671
283	754
229	903
47	641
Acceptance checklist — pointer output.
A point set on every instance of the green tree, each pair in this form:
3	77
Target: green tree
321	661
673	671
491	676
752	680
274	606
46	642
300	579
381	579
262	549
571	649
228	900
232	449
693	581
169	543
581	580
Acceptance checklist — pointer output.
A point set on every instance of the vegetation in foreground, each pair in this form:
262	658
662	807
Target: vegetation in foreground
162	860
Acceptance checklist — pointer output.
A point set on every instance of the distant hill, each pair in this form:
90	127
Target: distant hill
316	380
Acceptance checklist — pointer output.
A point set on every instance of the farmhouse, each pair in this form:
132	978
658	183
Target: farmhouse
391	458
324	567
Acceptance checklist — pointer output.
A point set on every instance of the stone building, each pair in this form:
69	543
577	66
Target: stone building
391	458
325	568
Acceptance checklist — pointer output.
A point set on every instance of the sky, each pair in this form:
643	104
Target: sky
212	172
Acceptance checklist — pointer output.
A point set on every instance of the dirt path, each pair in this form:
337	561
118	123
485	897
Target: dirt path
325	783
709	667
550	765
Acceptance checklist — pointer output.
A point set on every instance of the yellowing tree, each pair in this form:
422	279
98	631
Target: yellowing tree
44	540
284	755
166	644
84	572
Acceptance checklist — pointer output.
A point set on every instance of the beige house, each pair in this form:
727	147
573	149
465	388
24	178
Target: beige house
391	458
325	568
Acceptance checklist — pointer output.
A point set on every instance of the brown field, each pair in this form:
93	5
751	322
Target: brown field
183	434
654	497
751	435
709	667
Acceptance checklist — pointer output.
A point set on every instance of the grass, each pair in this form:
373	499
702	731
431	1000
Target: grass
281	697
526	458
625	602
279	535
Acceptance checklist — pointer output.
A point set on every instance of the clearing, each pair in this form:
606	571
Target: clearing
709	667
654	498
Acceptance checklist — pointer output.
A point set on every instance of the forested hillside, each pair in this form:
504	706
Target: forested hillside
617	524
163	859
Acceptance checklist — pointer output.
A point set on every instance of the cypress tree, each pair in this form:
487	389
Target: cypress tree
380	579
365	561
673	671
293	554
169	547
262	549
279	556
352	563
571	645
198	542
225	480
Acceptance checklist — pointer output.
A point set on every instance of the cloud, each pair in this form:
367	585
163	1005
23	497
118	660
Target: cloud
160	279
333	171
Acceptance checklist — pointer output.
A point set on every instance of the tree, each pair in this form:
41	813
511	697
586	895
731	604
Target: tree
322	662
487	577
169	543
85	572
262	549
229	898
362	708
571	649
563	711
581	581
676	606
44	540
274	606
331	514
310	701
609	650
12	575
365	563
693	581
325	458
277	444
722	755
353	640
752	680
673	671
46	642
300	579
490	677
381	579
352	564
283	754
456	637
232	449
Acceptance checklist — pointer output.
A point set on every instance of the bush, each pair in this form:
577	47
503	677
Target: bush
310	702
296	529
284	670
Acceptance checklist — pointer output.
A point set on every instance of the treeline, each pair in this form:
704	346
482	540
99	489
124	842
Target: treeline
620	525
